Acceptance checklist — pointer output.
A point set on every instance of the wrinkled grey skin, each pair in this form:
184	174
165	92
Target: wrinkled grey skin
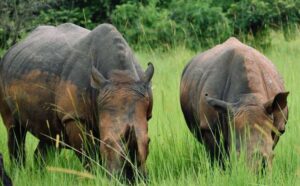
233	92
53	83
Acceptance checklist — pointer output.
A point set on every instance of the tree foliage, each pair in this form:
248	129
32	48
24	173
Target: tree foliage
157	23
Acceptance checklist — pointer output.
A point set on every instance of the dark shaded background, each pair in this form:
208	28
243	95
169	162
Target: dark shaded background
157	23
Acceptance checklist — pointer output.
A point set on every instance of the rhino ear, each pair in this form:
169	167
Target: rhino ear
149	73
278	103
218	105
97	80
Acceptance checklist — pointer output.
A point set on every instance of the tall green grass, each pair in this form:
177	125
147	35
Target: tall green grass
176	158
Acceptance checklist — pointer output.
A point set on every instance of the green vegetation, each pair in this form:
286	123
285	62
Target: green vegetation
169	33
176	158
158	23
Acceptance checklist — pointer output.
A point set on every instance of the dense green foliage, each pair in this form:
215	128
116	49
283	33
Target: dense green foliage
158	23
256	18
202	23
145	25
175	157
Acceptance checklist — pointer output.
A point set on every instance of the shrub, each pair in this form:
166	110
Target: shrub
14	16
254	18
194	25
145	25
77	16
204	25
158	23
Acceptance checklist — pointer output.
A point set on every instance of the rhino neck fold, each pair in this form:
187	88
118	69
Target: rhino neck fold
107	50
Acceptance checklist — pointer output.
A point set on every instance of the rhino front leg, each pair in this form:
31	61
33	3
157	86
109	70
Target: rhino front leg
77	139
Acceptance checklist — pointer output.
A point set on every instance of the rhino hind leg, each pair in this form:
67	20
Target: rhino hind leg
16	133
16	144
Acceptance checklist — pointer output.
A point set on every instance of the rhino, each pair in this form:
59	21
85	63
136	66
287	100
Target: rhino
79	89
233	98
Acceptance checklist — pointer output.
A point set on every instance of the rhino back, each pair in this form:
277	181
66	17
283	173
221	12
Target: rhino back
45	49
230	71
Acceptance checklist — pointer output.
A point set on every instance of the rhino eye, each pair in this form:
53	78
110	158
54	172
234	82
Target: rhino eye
271	116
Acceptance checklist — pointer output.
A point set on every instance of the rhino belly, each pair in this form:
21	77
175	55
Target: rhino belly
31	100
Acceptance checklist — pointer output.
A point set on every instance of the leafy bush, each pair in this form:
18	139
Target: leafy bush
82	17
288	16
13	16
191	24
254	18
145	25
204	25
158	23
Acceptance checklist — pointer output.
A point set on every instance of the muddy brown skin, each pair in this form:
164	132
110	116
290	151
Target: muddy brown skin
79	86
4	178
234	82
